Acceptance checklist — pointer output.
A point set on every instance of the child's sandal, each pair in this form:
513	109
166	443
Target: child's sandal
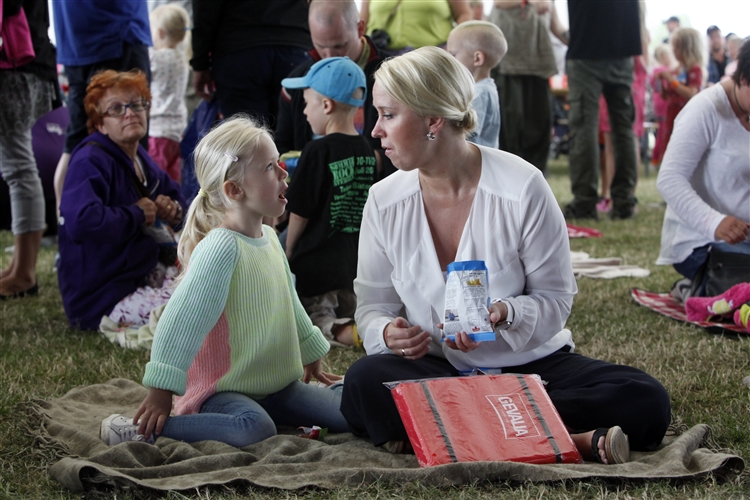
616	445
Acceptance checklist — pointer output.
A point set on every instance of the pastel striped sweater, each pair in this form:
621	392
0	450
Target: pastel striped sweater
234	323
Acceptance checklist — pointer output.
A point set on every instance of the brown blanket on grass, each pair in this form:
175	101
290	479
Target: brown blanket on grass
69	427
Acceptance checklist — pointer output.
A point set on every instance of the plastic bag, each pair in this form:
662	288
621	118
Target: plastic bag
467	301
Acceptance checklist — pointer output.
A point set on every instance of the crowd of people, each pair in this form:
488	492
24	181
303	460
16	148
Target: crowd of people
421	133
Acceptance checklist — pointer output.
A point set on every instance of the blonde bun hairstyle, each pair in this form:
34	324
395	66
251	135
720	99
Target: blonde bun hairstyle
432	83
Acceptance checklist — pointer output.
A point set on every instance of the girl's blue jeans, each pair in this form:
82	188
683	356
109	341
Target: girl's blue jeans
238	420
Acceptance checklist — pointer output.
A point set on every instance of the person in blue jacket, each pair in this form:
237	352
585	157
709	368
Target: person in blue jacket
93	36
113	198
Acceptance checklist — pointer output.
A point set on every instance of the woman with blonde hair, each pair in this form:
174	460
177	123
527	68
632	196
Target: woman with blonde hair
452	200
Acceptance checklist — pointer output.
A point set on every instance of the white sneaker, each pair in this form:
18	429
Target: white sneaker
117	429
681	289
335	385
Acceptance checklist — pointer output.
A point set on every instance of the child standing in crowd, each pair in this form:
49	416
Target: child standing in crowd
665	61
234	339
480	45
169	73
327	196
733	49
680	85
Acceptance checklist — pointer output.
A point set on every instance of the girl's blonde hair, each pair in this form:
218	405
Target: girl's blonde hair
432	83
220	156
691	47
173	19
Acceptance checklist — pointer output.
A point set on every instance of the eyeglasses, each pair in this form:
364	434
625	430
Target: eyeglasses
121	109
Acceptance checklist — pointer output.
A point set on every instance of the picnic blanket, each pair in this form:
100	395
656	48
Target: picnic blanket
664	303
68	427
582	232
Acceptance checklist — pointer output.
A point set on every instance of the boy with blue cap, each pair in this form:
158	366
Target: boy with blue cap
327	196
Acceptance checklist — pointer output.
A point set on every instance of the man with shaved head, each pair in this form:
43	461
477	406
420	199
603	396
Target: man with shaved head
336	31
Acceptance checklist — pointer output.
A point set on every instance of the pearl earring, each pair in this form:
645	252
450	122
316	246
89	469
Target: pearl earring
430	136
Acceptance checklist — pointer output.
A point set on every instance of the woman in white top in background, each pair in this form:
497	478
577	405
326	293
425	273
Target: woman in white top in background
705	175
456	201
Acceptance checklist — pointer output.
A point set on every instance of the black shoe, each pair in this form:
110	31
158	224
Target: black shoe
621	213
623	208
34	290
572	211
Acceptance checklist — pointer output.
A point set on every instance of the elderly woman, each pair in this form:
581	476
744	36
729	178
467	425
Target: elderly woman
456	201
705	176
115	201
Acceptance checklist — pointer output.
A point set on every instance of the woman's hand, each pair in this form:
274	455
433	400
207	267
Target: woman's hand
463	343
732	230
149	209
314	371
168	210
410	342
155	409
498	312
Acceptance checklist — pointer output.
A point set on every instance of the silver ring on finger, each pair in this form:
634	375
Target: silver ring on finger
403	353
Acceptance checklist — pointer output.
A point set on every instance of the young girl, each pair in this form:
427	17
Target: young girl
680	85
665	62
169	75
234	339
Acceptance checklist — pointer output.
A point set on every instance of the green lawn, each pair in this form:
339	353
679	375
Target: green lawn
41	358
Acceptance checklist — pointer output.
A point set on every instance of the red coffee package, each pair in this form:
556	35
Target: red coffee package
506	417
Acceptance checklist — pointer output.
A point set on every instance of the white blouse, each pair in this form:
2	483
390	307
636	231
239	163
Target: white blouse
515	225
705	175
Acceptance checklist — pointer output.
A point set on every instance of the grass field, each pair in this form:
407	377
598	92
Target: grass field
42	358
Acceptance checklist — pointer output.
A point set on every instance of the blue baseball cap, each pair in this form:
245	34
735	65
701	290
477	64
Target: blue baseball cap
336	78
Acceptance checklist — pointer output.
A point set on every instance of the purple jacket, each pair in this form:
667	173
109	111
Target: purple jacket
104	254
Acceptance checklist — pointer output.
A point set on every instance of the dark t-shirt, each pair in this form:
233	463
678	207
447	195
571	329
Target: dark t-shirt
221	27
716	69
604	29
330	187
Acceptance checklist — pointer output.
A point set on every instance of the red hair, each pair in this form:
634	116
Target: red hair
102	82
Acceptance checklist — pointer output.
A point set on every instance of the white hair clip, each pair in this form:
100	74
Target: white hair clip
231	157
